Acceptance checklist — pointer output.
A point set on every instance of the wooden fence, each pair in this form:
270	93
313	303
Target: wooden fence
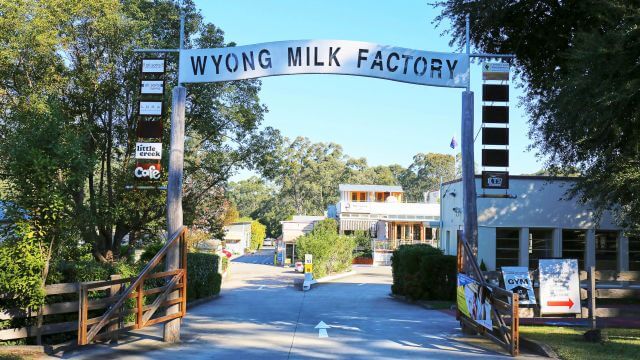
100	310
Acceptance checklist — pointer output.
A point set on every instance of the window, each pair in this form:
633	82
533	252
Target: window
382	196
507	247
540	246
573	245
358	196
606	250
634	253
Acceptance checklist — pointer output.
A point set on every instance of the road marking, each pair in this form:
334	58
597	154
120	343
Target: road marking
322	329
261	287
361	284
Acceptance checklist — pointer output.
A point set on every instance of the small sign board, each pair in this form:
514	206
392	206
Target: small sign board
495	179
152	151
308	263
495	71
152	87
147	171
495	157
152	66
559	286
517	280
150	108
149	129
473	301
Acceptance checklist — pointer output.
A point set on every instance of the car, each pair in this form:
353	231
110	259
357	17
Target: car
299	267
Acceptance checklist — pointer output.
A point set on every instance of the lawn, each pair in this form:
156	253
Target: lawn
569	345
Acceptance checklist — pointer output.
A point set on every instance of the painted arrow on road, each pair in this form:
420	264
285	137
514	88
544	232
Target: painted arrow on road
568	303
322	329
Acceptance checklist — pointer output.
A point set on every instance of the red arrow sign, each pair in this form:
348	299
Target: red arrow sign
568	303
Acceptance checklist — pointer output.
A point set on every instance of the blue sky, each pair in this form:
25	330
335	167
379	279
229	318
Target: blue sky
384	121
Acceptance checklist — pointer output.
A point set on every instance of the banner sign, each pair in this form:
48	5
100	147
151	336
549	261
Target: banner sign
149	151
147	171
151	108
559	286
517	280
473	301
152	87
324	57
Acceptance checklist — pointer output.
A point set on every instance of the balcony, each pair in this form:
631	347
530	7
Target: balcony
389	210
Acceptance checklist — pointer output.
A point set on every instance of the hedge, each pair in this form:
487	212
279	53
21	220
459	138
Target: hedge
332	253
203	279
422	272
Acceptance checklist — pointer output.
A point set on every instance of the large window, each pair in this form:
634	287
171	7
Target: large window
408	232
634	253
382	196
540	246
358	196
507	247
573	245
606	250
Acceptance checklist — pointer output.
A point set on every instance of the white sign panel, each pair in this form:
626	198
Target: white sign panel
148	150
152	87
308	259
153	66
324	57
517	280
495	67
559	286
151	108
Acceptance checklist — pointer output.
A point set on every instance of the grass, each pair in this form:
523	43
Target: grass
569	345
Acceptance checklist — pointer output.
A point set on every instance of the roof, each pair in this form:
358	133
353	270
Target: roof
525	177
303	219
371	188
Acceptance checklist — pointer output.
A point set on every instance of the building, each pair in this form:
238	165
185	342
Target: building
291	230
382	211
237	237
537	221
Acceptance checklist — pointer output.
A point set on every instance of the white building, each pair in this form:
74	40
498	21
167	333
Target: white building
237	237
291	230
538	221
382	211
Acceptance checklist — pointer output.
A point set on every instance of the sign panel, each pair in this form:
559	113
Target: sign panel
517	280
492	92
495	114
308	263
495	71
147	171
495	136
495	179
559	286
152	87
473	301
152	66
151	151
495	157
150	108
149	129
324	57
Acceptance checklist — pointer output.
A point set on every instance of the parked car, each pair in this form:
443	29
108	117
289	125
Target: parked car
299	267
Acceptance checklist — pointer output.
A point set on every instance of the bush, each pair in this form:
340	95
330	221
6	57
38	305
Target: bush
332	253
422	272
363	245
203	279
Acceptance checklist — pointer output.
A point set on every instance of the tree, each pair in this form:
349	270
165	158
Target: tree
258	234
572	55
425	174
249	195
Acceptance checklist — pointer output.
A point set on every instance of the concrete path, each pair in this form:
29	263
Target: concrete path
260	315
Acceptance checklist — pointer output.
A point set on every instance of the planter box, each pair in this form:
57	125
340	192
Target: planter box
362	261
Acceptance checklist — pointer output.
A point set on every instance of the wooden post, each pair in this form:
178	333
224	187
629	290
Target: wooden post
139	305
515	325
470	211
113	291
174	201
592	296
82	314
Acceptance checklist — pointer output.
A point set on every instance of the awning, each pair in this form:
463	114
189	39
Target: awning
354	224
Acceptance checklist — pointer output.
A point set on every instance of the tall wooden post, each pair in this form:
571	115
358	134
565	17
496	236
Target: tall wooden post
174	201
470	210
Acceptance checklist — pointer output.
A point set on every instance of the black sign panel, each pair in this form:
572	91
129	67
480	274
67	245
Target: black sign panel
149	129
492	157
495	180
495	136
495	114
492	92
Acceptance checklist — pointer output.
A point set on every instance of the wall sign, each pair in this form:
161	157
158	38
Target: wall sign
150	108
559	286
147	171
517	280
149	151
152	87
152	66
324	57
495	180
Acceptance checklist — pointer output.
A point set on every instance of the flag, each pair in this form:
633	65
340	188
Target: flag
454	143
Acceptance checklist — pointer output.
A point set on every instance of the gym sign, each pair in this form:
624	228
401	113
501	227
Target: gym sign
324	57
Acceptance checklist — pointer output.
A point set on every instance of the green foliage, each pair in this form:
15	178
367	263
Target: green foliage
150	251
422	272
258	234
332	253
424	174
203	279
363	245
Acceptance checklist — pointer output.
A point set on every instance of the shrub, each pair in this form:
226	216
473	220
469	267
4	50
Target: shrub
331	252
363	245
203	279
422	272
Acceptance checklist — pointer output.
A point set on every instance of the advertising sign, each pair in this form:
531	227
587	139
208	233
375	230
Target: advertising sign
495	71
517	280
324	57
151	108
308	263
149	151
152	66
495	179
152	87
473	301
559	286
147	171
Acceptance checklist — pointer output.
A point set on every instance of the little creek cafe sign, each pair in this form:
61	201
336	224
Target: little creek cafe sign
324	57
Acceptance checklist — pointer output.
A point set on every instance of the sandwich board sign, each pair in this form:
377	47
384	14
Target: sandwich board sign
517	280
559	286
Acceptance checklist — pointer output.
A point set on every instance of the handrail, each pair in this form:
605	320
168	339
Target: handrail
156	259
